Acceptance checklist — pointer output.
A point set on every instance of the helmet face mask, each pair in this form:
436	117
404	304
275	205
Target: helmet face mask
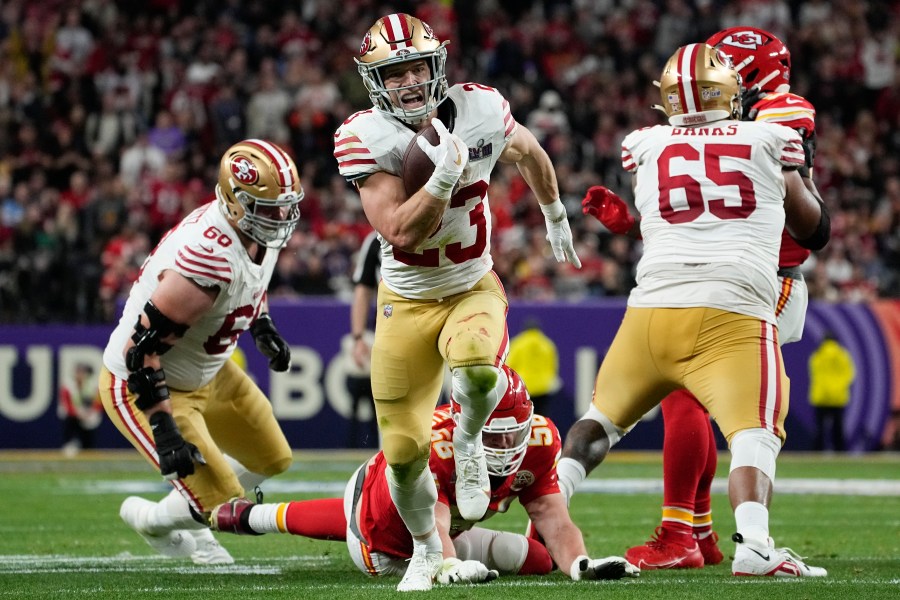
259	192
760	57
508	430
394	40
699	84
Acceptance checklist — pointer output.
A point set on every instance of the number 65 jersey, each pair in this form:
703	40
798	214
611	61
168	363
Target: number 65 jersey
206	249
458	254
711	200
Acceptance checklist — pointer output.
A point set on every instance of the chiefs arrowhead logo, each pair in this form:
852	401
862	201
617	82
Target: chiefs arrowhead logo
744	39
244	171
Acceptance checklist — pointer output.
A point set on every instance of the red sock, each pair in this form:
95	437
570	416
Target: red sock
702	502
537	561
685	448
318	519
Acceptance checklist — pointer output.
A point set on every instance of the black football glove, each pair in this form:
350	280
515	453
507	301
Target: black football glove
749	98
176	456
270	343
809	152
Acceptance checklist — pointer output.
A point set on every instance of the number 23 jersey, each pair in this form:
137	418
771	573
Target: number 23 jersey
711	200
458	253
206	249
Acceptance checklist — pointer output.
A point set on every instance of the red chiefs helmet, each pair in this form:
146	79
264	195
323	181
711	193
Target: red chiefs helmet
760	57
506	434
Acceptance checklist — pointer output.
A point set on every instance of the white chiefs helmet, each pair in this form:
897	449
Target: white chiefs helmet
508	430
699	84
400	38
259	191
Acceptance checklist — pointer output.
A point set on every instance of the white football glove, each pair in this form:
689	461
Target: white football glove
611	567
559	233
465	571
450	157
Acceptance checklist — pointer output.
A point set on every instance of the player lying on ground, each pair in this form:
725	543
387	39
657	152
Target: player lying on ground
522	449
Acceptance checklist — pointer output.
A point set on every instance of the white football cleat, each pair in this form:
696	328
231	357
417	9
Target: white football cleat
174	544
755	560
423	567
473	487
209	551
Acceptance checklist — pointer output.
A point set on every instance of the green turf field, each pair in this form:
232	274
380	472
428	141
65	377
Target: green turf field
61	537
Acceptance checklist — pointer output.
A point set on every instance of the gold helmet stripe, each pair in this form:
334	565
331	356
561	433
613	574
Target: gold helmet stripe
277	155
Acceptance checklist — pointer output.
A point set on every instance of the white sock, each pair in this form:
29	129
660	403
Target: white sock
172	512
570	473
476	409
268	518
415	502
752	522
432	542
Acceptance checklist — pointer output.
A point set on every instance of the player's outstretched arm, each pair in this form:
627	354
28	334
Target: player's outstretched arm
536	168
550	516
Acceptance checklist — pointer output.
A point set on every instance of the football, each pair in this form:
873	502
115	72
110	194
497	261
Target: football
417	167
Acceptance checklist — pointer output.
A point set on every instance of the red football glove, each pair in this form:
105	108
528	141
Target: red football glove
607	208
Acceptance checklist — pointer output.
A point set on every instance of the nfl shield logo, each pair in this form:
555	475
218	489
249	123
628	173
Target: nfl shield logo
388	310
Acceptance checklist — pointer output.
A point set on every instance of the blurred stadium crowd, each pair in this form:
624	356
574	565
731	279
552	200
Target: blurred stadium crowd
113	115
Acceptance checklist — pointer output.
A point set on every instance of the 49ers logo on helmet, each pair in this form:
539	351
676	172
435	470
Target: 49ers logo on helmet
244	171
428	31
366	44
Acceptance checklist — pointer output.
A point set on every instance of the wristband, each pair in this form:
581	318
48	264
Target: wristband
554	212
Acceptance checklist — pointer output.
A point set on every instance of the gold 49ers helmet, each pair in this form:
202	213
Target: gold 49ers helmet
699	84
259	191
400	38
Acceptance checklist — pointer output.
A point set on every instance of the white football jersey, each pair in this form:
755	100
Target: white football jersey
204	247
458	254
711	200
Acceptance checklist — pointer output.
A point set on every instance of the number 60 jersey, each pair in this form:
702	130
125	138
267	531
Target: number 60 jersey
458	254
204	248
711	199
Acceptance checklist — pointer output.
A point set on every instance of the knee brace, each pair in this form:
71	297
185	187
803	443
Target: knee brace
755	448
414	498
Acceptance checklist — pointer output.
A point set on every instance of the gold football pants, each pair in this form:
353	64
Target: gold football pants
732	363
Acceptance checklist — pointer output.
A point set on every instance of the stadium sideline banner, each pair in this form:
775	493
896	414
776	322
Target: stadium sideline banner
313	405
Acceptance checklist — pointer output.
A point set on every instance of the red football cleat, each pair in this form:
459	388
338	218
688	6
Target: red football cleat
232	517
666	551
709	548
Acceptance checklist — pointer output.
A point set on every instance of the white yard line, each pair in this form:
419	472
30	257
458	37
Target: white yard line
833	487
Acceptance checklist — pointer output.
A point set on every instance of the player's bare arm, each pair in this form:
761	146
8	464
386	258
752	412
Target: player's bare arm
405	224
563	539
806	217
442	520
526	153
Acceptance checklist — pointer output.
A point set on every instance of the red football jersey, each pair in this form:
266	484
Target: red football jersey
796	112
383	529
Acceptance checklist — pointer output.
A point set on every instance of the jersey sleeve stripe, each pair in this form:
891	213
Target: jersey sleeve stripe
508	118
627	160
183	260
198	273
205	257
